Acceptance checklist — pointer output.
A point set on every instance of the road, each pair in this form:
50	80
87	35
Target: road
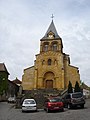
8	112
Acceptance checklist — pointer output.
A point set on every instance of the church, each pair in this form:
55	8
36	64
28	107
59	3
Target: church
52	67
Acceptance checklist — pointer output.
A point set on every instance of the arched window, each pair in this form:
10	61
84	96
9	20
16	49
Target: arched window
46	47
49	61
50	35
54	47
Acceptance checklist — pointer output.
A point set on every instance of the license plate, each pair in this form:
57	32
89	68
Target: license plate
29	107
56	107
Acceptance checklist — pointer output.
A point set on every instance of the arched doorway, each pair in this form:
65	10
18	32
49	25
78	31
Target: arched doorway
49	80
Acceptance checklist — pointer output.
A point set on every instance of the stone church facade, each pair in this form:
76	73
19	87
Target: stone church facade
52	67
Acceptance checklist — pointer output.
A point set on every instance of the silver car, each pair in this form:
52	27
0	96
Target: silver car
11	100
29	105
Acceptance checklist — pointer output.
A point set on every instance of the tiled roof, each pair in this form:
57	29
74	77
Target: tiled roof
17	81
11	82
84	86
51	29
3	68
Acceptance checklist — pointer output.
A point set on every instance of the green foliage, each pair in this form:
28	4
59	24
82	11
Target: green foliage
1	91
3	83
81	82
70	89
77	87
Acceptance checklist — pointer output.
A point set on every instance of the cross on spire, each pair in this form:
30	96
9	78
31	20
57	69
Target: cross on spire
52	16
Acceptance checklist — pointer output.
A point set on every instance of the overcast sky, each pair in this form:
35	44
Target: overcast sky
24	22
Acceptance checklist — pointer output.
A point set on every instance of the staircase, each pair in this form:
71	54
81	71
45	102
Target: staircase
40	95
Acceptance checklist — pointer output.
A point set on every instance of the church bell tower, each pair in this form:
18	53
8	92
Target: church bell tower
52	67
49	63
51	41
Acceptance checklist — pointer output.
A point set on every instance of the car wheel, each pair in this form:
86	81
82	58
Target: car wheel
22	111
62	110
36	110
47	110
82	106
68	106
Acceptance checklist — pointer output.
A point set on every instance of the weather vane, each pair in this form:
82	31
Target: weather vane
52	16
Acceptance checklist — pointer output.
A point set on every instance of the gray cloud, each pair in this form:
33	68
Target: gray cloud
24	23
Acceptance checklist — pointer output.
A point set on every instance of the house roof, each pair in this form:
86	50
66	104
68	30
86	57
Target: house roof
17	81
51	29
3	68
11	82
84	86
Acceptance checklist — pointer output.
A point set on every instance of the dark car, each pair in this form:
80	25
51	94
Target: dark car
74	100
53	104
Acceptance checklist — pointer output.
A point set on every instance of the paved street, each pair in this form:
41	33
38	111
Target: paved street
8	112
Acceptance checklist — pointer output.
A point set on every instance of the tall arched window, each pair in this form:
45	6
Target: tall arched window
54	47
45	47
49	61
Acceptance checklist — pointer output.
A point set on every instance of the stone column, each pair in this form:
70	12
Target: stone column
57	81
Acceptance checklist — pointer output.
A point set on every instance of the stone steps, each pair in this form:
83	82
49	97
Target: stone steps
40	95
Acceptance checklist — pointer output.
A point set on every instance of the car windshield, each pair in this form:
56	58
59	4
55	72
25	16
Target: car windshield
76	95
55	100
29	102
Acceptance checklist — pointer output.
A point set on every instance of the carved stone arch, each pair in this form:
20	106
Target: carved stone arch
48	81
54	46
49	61
45	46
49	70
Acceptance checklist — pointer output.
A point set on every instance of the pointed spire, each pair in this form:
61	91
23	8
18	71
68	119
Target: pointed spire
51	29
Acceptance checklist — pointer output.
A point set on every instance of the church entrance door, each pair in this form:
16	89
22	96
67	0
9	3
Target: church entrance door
49	83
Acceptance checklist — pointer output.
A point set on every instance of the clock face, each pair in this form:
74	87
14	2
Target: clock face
50	36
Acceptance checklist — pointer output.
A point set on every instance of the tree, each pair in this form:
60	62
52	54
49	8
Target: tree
77	87
70	89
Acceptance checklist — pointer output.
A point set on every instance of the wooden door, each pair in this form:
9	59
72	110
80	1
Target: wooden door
49	83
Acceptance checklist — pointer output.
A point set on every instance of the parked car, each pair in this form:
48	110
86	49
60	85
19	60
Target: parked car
29	105
74	100
53	104
11	100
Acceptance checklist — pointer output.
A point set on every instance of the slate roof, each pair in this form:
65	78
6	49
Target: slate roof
11	82
17	81
3	68
51	29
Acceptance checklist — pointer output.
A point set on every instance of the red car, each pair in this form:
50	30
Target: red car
53	104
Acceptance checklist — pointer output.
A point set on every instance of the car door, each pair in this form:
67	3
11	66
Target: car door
66	99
